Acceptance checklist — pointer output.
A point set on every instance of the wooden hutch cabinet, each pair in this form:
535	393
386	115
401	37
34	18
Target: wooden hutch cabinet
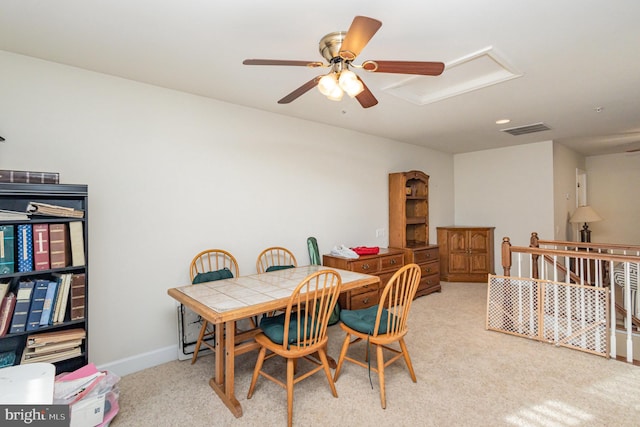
383	265
409	226
466	253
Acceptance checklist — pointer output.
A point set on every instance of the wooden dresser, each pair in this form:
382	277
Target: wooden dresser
383	264
466	253
428	259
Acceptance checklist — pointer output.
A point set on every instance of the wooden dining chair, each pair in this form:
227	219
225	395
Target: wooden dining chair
208	266
300	332
275	258
382	325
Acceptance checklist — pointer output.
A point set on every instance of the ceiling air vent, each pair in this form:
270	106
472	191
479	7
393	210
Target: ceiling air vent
521	130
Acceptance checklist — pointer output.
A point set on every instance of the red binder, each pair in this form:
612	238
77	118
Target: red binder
41	246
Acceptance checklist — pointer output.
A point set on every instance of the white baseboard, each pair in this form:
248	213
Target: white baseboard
141	361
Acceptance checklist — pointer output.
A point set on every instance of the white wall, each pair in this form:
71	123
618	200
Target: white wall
504	188
613	190
565	163
170	174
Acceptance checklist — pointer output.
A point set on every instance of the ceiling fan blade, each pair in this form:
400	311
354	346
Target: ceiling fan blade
300	91
405	67
361	31
634	150
311	64
366	98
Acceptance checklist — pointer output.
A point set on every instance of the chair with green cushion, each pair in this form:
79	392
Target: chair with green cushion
208	266
382	325
300	332
275	258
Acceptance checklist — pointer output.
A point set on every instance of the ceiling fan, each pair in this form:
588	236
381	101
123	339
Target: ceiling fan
340	49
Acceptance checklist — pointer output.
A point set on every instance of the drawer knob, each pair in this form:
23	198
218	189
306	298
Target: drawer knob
429	270
393	261
365	301
365	266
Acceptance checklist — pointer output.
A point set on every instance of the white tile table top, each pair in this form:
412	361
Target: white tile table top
239	292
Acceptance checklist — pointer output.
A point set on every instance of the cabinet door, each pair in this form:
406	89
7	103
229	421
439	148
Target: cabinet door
478	251
458	257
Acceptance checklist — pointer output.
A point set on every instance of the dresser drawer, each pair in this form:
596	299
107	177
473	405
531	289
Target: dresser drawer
364	300
366	266
430	281
428	284
394	262
430	268
425	255
365	289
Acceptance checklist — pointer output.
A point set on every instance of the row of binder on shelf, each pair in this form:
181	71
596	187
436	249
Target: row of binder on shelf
42	302
37	247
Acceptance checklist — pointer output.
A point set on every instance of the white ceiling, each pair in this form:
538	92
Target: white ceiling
577	57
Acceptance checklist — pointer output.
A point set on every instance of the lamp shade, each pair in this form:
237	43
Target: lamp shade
585	214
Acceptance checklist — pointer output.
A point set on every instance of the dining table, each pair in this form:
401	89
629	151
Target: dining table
225	302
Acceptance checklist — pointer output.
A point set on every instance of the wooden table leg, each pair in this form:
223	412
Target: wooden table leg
222	382
218	373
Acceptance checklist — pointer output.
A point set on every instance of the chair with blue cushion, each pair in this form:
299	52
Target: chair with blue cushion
275	258
208	266
382	325
300	332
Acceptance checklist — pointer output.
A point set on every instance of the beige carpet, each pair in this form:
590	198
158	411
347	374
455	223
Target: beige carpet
467	376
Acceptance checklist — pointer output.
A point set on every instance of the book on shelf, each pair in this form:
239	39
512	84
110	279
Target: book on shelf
7	265
53	346
78	281
41	247
58	356
37	208
55	309
29	177
59	250
25	247
21	310
7	215
37	304
45	338
49	303
76	236
57	346
6	312
64	287
4	289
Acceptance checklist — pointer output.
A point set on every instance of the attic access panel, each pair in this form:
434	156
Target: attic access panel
475	71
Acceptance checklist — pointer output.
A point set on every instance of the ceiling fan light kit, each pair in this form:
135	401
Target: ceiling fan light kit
336	83
340	49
